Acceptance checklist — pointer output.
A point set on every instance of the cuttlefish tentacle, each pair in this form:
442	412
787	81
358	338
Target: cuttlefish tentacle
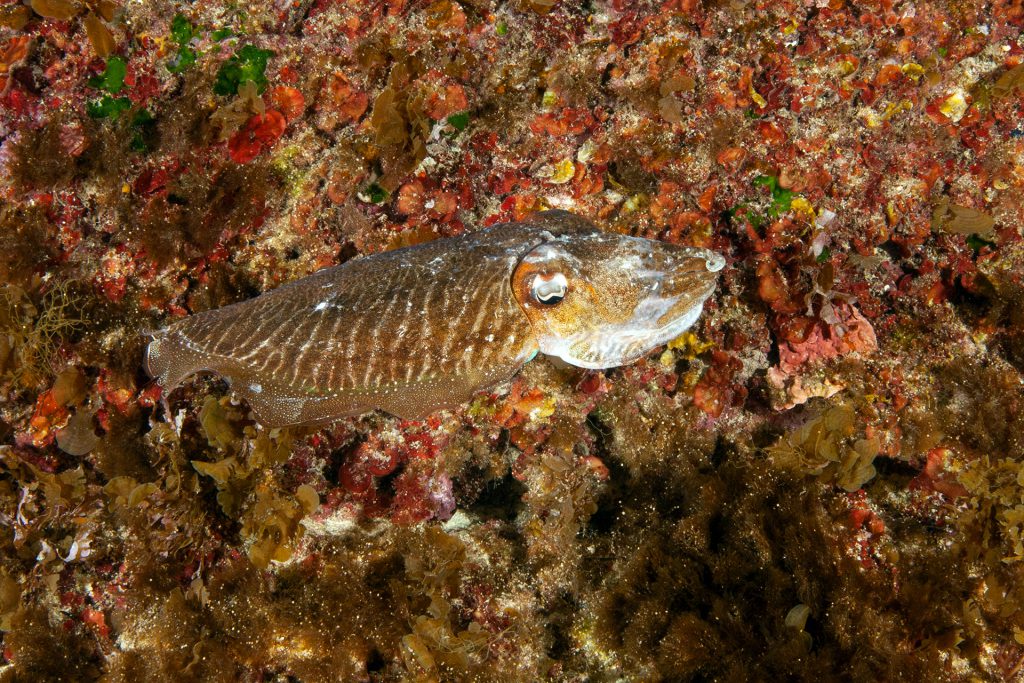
414	330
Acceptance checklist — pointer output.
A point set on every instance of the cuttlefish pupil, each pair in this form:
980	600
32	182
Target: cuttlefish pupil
550	289
391	331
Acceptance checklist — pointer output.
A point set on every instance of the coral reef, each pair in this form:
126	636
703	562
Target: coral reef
824	479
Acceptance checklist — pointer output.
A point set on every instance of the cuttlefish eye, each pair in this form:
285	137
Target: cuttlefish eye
549	289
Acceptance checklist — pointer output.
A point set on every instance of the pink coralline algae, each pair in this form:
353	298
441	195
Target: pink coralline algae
849	332
419	490
808	344
422	493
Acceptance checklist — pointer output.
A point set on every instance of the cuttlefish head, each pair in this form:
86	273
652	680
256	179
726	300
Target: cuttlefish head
598	300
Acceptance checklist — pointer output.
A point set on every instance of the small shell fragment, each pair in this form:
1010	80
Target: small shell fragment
797	617
78	437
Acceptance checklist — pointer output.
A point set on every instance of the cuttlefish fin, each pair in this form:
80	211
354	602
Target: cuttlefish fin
278	406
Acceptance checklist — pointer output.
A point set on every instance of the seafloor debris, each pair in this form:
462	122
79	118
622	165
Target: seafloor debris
823	480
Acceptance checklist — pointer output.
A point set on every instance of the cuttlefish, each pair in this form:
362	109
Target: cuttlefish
415	330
